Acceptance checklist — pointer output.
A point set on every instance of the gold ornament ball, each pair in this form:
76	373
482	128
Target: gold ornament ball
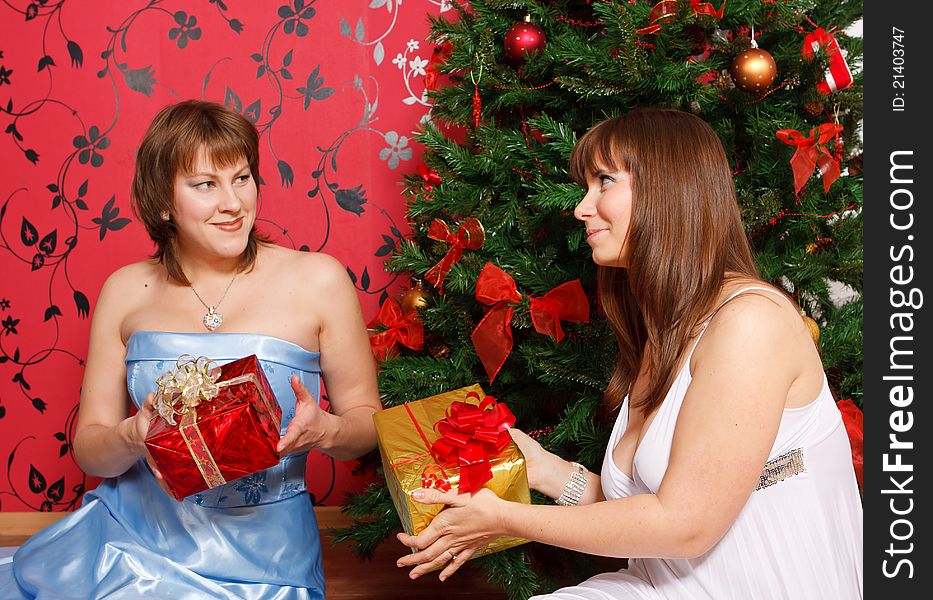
812	248
813	327
754	70
437	348
416	297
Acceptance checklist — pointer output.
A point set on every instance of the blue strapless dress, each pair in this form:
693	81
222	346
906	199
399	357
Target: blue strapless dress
253	538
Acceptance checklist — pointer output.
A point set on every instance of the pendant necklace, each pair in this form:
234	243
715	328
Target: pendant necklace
212	319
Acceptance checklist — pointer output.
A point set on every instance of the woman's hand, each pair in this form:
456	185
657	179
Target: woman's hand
139	427
311	425
549	473
535	456
456	533
139	424
158	475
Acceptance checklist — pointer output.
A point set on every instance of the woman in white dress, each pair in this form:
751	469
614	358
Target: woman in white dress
728	473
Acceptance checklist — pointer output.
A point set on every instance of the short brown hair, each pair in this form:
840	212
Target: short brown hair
170	146
686	234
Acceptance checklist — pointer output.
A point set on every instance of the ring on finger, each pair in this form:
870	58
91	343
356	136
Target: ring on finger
452	555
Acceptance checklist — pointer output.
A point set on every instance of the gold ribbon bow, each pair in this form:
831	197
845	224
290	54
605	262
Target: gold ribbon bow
191	382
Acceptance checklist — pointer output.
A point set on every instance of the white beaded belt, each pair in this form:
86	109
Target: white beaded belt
786	465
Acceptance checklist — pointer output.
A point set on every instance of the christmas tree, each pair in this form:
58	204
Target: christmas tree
520	81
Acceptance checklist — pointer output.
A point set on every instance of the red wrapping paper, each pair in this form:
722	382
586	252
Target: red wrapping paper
237	431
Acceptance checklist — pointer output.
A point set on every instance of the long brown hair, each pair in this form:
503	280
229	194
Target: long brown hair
686	234
170	146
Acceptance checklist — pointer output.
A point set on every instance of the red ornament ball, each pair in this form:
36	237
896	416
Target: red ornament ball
524	39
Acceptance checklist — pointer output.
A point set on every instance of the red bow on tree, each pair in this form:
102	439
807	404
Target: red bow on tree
853	420
706	8
492	337
439	56
660	12
430	177
470	236
665	9
399	329
469	435
811	153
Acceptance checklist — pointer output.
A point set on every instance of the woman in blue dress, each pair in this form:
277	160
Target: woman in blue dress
214	288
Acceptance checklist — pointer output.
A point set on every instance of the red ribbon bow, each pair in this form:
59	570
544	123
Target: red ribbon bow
430	177
432	476
470	236
706	8
665	9
837	76
660	12
439	56
469	435
853	420
399	329
811	153
492	337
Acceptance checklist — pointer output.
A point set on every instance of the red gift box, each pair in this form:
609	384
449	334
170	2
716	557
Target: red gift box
213	425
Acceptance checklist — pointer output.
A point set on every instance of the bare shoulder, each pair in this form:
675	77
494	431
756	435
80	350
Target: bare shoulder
129	283
316	269
754	304
121	296
762	321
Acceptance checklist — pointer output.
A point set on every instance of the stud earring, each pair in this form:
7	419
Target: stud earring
165	215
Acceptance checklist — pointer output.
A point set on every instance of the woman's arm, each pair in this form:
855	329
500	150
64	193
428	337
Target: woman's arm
348	370
549	473
107	440
743	369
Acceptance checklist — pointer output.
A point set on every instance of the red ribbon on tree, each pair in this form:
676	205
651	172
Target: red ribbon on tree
400	328
853	419
470	434
665	9
660	12
469	236
706	8
837	76
811	153
492	337
430	177
439	56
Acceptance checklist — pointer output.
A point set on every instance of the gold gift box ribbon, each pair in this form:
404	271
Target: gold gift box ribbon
405	436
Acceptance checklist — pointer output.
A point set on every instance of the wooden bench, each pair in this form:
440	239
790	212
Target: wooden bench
347	576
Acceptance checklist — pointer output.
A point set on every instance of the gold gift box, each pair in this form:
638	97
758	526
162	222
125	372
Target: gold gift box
406	433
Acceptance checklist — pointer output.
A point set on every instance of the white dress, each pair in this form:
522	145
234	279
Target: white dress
799	538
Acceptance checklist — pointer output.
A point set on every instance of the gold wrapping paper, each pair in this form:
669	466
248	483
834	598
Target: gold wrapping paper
407	462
